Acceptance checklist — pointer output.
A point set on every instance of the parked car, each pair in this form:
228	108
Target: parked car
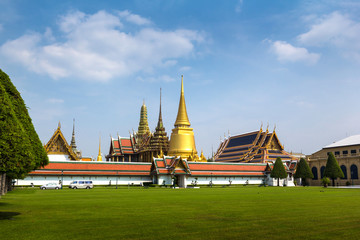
81	184
50	186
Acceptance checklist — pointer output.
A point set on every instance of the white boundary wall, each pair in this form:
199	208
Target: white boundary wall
97	180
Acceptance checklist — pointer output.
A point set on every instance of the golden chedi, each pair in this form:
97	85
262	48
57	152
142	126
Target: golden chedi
182	141
99	157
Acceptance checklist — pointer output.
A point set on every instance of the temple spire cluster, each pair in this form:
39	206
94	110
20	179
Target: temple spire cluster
144	146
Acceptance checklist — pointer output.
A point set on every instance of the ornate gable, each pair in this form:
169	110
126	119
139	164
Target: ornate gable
58	145
274	142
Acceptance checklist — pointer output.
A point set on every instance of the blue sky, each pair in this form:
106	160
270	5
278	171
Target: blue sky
293	64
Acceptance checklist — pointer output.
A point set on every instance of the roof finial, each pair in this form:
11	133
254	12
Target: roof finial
73	143
182	83
59	125
160	122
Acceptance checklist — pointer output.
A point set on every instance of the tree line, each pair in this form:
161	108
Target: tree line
21	150
332	170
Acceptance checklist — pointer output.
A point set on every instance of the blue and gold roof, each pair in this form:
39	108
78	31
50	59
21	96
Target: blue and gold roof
256	147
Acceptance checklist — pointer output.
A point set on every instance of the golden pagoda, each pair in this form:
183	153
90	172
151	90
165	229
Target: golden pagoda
99	157
143	124
182	141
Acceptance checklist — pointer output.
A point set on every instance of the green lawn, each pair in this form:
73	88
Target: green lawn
159	213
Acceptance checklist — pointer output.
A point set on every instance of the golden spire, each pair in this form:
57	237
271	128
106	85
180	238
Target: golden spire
182	141
182	117
99	157
143	123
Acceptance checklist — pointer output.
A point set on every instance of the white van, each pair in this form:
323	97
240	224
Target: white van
81	184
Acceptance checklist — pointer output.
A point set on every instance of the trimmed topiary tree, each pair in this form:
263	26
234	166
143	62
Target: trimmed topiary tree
278	170
303	171
332	169
21	150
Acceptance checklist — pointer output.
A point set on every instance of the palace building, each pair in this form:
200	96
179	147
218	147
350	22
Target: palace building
346	152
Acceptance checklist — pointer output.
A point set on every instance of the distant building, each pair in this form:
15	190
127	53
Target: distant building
347	153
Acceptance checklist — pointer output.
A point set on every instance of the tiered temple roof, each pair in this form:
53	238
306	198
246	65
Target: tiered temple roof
94	169
121	148
57	147
255	147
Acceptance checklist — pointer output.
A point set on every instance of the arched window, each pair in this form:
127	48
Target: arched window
343	169
314	172
354	172
322	170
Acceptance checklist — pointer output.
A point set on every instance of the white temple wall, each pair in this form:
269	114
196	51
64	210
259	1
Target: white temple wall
97	180
165	180
223	180
289	181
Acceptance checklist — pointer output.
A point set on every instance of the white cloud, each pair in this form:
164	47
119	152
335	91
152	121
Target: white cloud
95	47
185	69
238	7
336	30
163	78
134	18
288	53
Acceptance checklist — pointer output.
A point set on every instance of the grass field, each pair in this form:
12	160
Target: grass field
159	213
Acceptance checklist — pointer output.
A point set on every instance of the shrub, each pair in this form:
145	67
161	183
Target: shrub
325	181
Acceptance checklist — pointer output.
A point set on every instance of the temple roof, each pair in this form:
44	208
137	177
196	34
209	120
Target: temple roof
258	146
94	168
172	165
120	146
57	145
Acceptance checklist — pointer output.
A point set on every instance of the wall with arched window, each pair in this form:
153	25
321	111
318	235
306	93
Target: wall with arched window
315	173
354	172
343	169
322	170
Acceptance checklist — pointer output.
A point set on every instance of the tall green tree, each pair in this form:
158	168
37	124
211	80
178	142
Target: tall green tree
332	169
303	171
21	150
278	170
